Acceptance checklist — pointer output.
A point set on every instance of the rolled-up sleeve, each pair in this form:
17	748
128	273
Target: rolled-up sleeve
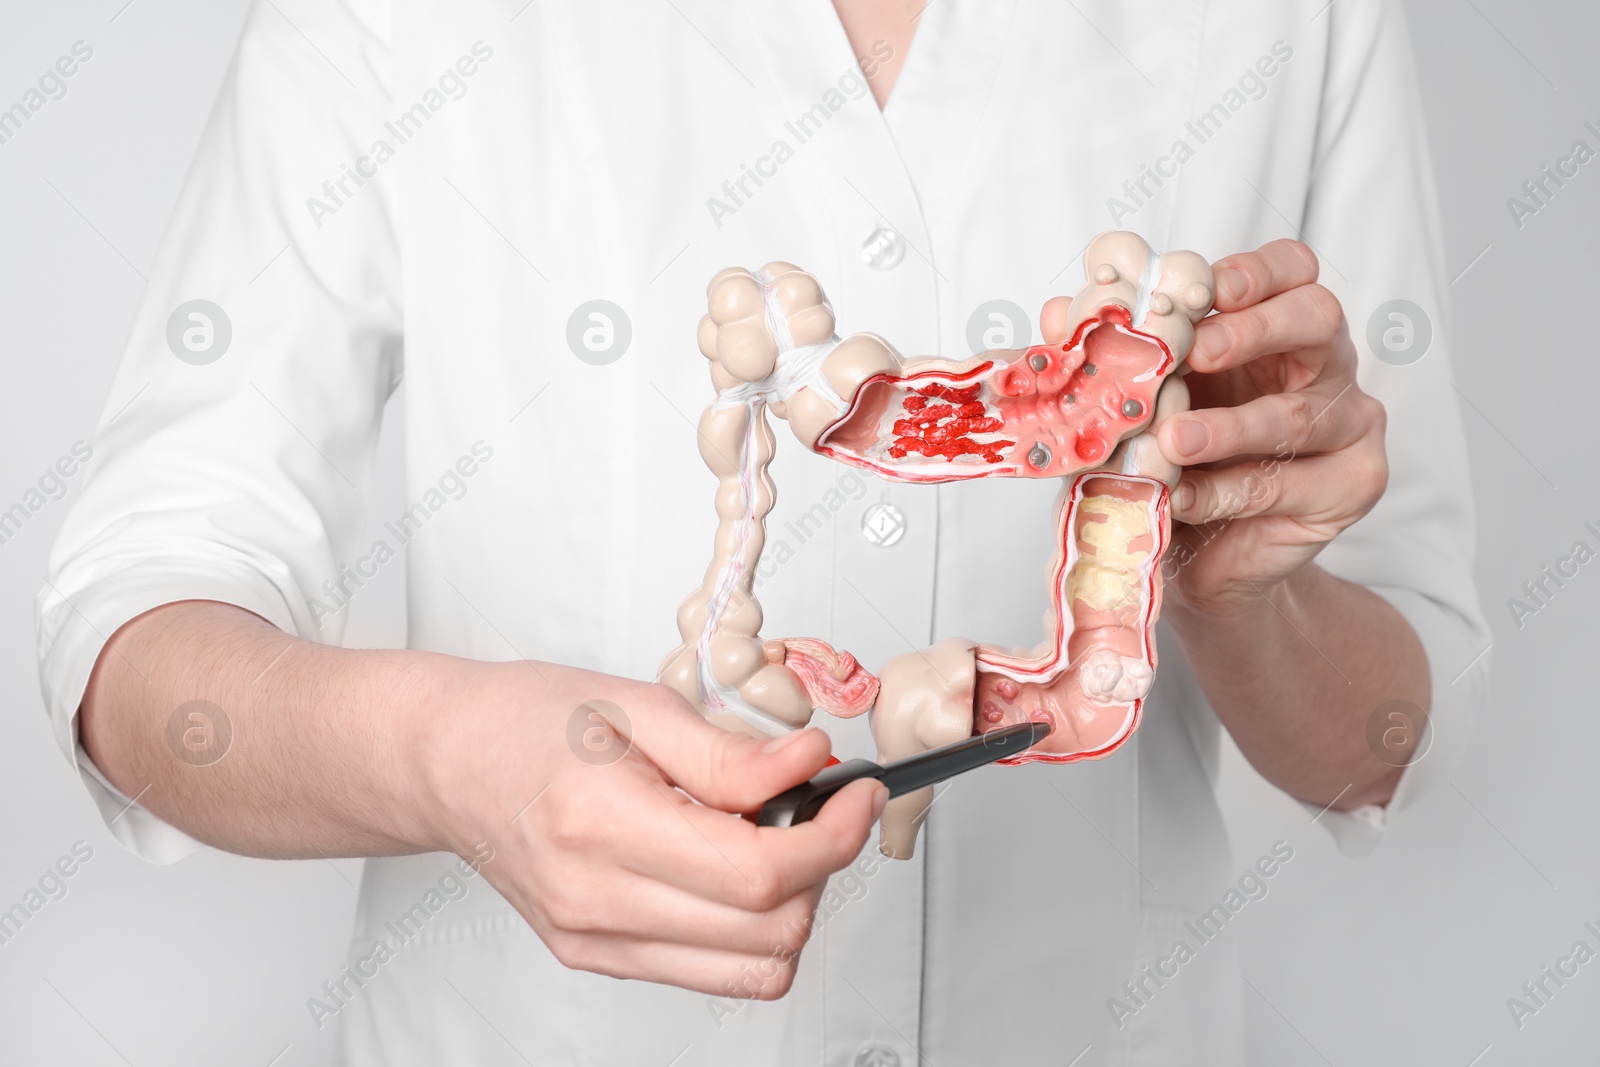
1372	216
233	455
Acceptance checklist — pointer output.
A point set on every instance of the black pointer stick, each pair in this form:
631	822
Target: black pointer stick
802	803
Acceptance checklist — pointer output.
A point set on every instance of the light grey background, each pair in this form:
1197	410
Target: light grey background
1406	958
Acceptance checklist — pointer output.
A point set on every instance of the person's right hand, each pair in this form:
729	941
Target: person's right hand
638	865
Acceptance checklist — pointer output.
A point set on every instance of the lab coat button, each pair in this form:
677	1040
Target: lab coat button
883	249
883	524
877	1056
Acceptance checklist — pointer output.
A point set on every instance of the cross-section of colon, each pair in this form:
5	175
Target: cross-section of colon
1081	408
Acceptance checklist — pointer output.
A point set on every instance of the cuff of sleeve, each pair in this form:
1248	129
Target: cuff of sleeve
72	633
1459	673
1357	832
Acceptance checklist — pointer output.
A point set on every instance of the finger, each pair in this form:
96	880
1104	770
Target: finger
1310	489
721	768
703	970
640	822
597	898
757	868
1306	320
1251	277
1277	424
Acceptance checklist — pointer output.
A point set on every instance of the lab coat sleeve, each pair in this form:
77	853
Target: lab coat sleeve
1372	216
243	479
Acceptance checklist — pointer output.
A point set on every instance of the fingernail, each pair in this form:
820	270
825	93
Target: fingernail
783	741
1231	284
1212	340
1190	436
1183	498
879	799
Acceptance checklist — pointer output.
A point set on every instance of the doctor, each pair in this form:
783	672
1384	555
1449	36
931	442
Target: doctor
513	209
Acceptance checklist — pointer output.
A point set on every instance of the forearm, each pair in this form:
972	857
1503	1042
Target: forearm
1296	676
323	758
622	857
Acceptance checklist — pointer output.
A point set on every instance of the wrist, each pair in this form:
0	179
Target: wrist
436	714
1242	606
1254	615
477	753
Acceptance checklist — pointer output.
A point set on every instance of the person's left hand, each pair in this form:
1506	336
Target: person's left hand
1283	449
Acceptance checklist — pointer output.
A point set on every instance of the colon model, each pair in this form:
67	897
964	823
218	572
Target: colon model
1082	409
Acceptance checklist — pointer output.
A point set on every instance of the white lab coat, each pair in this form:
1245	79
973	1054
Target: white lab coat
584	157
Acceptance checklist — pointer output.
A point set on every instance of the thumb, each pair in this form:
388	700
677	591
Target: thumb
725	769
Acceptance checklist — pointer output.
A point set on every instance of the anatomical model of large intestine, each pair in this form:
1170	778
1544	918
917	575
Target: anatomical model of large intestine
1082	408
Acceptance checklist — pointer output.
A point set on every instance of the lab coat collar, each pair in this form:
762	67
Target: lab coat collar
806	55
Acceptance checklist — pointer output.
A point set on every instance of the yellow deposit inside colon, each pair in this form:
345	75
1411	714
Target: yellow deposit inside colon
1109	579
